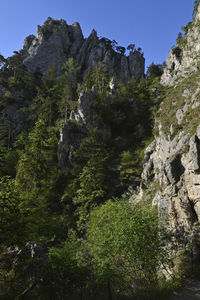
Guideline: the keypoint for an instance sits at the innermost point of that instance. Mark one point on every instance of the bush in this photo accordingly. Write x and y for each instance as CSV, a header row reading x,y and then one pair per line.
x,y
126,244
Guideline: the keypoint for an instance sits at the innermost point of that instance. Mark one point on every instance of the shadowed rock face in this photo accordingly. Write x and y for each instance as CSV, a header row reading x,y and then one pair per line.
x,y
56,41
176,166
171,168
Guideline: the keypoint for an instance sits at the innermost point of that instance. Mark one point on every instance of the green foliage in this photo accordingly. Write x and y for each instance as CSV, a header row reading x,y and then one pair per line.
x,y
114,244
13,82
11,216
154,71
68,83
8,161
130,167
175,100
70,273
177,51
50,78
8,98
21,78
125,244
93,178
179,38
98,78
5,132
41,183
38,157
195,10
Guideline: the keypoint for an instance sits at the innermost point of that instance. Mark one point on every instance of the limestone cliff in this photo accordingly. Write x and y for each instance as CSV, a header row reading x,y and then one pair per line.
x,y
183,59
172,161
56,41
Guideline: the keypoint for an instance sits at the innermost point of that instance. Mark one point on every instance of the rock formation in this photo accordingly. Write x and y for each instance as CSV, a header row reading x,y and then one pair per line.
x,y
56,41
171,169
183,59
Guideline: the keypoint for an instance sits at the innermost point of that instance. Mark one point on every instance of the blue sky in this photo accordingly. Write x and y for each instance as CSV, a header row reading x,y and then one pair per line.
x,y
152,25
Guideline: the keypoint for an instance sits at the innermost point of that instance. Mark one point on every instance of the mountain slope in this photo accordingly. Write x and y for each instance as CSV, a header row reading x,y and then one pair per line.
x,y
172,160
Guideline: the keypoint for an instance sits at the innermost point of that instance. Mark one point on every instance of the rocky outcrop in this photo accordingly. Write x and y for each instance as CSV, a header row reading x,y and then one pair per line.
x,y
76,128
176,168
56,41
171,169
71,135
184,58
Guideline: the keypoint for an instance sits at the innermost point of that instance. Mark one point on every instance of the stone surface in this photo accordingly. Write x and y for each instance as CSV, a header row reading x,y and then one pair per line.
x,y
175,165
184,58
56,41
180,113
148,161
71,135
75,129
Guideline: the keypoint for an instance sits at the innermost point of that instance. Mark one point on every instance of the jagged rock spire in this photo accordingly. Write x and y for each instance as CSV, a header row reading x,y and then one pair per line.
x,y
56,41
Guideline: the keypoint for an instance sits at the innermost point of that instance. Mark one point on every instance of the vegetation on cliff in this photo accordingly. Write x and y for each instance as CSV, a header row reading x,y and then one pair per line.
x,y
65,234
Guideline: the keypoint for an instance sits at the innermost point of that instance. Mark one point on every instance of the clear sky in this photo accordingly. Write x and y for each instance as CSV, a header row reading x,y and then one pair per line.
x,y
152,25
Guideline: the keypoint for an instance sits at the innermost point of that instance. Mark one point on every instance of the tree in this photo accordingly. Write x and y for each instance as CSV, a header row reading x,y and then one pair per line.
x,y
11,216
131,47
154,71
70,272
114,44
121,50
179,38
50,78
2,61
98,77
40,182
91,164
68,82
126,244
8,161
128,168
39,155
15,64
177,51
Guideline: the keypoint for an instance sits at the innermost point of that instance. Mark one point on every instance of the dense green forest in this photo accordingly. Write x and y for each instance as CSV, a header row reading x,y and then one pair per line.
x,y
72,233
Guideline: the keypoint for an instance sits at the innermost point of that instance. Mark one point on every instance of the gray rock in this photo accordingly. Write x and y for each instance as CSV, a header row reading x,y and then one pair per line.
x,y
86,113
194,154
148,161
176,168
173,169
181,112
56,41
185,60
71,136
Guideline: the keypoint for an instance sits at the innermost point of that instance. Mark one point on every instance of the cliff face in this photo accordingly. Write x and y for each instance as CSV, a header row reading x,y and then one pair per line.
x,y
183,59
56,41
172,162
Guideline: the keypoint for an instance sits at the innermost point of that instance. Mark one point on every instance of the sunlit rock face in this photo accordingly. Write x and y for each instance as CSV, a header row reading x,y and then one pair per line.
x,y
56,41
184,58
171,168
